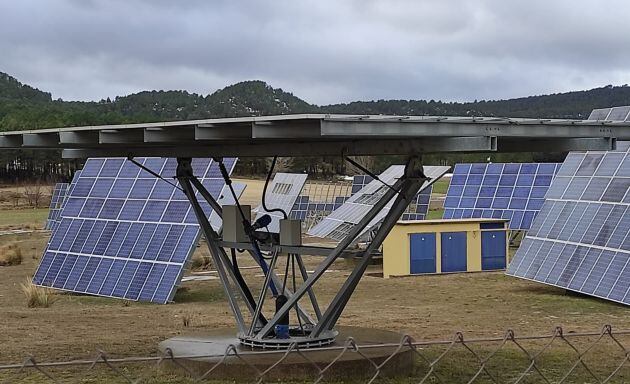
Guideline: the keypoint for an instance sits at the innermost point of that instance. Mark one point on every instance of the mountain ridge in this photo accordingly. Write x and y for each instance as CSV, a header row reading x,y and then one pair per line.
x,y
26,107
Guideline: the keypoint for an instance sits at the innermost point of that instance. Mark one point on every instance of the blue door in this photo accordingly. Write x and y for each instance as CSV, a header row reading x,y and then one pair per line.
x,y
493,245
422,252
454,252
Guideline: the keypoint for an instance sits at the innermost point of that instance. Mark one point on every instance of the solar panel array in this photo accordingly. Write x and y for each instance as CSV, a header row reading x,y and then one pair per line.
x,y
56,203
611,114
417,209
125,233
580,239
282,193
339,223
499,190
304,206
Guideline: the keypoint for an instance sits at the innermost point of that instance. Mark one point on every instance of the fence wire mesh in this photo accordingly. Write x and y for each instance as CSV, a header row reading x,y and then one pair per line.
x,y
557,357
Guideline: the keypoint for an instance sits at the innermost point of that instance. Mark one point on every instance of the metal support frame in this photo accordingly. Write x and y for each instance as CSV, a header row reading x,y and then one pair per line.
x,y
319,331
404,189
224,267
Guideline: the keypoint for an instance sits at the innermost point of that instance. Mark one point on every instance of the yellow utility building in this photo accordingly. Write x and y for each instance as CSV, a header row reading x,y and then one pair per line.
x,y
443,246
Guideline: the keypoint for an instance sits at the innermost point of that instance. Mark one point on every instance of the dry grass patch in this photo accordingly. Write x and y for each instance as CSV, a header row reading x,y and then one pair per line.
x,y
201,259
37,297
10,254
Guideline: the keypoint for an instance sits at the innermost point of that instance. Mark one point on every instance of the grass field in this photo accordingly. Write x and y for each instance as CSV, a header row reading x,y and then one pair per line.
x,y
23,218
441,186
427,307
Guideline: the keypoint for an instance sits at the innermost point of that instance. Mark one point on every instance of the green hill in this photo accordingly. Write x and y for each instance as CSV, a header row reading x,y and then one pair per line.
x,y
25,107
12,90
570,105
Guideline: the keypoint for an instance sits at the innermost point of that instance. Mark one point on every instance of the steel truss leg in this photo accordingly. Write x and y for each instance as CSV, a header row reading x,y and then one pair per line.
x,y
263,293
407,192
311,294
212,237
407,186
184,176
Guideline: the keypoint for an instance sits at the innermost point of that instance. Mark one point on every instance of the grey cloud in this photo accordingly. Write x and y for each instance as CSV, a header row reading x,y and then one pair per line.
x,y
324,51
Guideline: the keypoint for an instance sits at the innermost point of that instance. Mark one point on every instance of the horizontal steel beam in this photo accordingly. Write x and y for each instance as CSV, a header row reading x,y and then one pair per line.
x,y
164,135
78,138
411,128
11,141
298,148
223,132
557,145
47,140
281,130
300,250
121,136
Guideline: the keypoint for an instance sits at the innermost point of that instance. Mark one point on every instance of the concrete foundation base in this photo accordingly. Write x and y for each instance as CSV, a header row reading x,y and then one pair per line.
x,y
350,365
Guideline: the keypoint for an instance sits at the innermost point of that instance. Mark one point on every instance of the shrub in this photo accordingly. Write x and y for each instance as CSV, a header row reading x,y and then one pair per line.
x,y
10,254
37,297
187,319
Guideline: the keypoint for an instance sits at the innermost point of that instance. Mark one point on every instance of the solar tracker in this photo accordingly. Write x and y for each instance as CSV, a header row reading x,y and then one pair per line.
x,y
510,191
125,233
580,239
339,223
416,210
56,203
282,193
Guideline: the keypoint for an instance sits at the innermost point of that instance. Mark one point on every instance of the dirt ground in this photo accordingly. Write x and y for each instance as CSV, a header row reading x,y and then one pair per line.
x,y
427,307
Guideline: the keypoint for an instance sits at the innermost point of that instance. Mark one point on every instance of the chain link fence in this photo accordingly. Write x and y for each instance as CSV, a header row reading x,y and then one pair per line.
x,y
557,357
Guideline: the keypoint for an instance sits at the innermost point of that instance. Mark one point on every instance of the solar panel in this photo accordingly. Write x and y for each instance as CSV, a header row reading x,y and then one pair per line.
x,y
618,113
282,193
339,223
599,114
125,233
360,181
623,145
55,223
417,209
500,191
318,200
580,239
226,198
56,203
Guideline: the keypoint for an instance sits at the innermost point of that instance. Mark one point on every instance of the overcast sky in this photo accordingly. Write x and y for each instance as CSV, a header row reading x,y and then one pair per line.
x,y
323,51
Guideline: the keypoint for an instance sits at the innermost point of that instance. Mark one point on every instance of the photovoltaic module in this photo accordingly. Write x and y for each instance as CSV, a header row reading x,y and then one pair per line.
x,y
282,193
580,239
510,191
417,209
125,233
340,222
56,203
